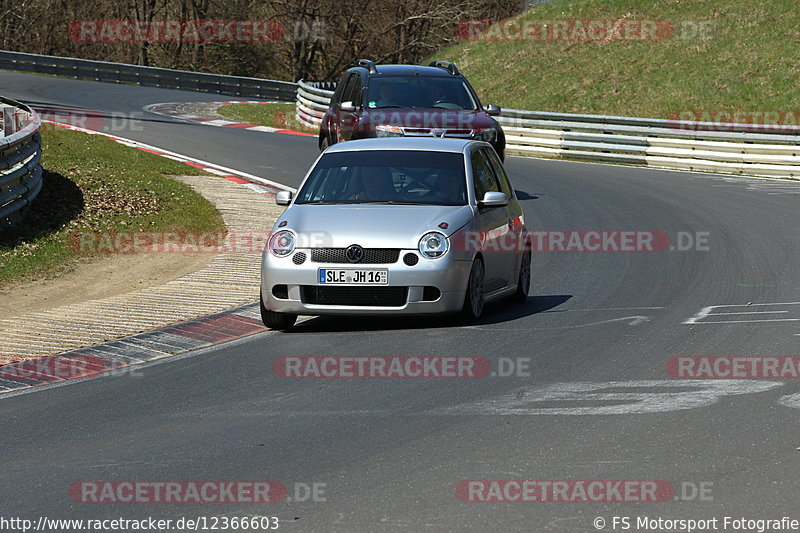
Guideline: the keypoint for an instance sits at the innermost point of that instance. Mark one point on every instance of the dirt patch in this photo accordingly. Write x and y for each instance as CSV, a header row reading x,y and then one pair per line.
x,y
109,276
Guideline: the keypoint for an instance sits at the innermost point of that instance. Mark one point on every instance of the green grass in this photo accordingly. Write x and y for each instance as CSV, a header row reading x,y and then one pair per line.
x,y
94,184
272,115
747,60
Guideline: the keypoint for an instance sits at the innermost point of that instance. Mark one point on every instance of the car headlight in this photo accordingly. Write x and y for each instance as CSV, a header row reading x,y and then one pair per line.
x,y
486,134
385,130
282,243
433,245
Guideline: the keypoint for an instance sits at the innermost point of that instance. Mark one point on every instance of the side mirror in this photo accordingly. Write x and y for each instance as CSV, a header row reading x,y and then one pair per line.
x,y
493,110
348,107
493,199
283,198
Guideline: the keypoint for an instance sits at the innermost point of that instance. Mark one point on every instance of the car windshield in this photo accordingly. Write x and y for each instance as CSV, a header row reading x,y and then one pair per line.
x,y
416,92
386,177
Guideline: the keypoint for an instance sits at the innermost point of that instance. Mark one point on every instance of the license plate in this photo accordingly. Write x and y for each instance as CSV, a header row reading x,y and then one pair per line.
x,y
353,276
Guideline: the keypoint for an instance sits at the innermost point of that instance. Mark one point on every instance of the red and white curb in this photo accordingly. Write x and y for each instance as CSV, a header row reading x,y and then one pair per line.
x,y
164,342
172,109
256,183
113,356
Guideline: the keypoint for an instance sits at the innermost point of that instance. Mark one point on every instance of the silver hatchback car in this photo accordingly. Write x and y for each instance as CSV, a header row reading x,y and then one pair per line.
x,y
396,226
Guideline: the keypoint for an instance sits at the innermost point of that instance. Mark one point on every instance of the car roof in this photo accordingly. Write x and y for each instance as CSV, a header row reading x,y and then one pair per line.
x,y
406,143
407,70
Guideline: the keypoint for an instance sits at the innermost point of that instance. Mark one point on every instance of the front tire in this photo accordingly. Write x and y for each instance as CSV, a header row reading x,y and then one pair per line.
x,y
279,321
474,298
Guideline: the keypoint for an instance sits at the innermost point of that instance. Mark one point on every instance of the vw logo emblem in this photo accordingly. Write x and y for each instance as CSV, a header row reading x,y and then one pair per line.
x,y
354,253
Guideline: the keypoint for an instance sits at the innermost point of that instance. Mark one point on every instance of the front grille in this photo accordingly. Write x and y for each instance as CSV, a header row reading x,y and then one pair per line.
x,y
299,258
372,256
428,132
358,296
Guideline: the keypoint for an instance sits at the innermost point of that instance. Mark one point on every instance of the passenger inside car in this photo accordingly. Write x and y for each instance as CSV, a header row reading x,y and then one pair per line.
x,y
446,189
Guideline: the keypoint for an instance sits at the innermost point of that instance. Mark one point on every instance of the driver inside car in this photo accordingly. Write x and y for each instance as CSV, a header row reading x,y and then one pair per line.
x,y
377,185
385,97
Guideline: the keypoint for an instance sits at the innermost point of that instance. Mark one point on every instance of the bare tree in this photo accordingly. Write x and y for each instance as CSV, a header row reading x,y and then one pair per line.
x,y
144,12
321,37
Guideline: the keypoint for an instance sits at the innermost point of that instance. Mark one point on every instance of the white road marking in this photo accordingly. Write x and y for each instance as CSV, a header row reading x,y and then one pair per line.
x,y
207,166
263,128
706,312
752,321
792,400
601,309
258,188
220,122
634,321
697,393
750,313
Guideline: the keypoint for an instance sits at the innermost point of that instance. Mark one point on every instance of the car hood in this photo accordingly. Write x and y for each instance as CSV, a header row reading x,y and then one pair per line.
x,y
371,226
430,118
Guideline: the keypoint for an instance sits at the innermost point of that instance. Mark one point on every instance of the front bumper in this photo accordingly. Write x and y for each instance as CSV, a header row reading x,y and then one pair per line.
x,y
447,274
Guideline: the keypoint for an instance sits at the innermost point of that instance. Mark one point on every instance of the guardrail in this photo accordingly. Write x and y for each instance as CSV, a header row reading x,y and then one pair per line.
x,y
20,154
686,145
660,143
283,91
313,99
639,141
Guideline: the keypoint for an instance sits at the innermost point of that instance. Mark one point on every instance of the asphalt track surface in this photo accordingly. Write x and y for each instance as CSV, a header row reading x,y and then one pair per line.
x,y
391,452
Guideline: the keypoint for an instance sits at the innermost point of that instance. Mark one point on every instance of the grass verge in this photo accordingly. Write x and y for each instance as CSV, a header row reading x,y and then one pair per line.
x,y
720,55
280,116
94,184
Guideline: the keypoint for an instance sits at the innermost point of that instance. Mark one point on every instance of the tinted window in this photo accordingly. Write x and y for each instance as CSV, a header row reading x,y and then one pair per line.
x,y
337,95
499,172
482,175
348,88
391,176
353,90
438,92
